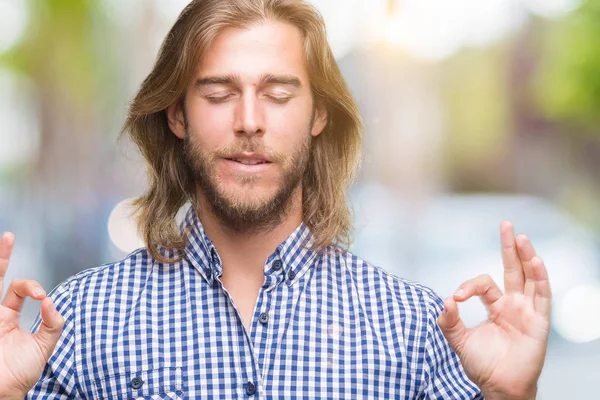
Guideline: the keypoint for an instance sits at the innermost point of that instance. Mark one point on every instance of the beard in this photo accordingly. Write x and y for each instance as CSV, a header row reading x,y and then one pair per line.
x,y
241,212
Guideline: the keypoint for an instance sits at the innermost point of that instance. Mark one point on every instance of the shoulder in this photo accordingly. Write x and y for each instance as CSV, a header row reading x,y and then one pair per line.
x,y
113,281
372,279
136,262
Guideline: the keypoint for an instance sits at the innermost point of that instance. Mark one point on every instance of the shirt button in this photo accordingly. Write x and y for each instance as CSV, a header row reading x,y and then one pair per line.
x,y
250,389
277,264
136,383
263,318
291,275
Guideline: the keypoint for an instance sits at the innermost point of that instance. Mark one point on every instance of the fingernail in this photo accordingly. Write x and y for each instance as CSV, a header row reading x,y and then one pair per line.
x,y
459,293
39,291
6,238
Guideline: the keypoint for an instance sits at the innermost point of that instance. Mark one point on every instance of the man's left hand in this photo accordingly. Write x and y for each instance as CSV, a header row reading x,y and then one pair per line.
x,y
504,355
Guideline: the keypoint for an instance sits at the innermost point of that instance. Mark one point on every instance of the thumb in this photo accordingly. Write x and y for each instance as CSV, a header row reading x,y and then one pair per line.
x,y
452,326
50,329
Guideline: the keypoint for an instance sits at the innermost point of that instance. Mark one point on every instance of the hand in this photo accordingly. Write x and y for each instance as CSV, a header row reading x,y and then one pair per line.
x,y
504,355
23,355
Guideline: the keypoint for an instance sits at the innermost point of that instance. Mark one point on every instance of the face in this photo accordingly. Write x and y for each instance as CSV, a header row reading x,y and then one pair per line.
x,y
247,123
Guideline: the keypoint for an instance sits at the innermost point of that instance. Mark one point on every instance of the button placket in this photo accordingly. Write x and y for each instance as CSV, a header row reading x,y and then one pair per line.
x,y
261,333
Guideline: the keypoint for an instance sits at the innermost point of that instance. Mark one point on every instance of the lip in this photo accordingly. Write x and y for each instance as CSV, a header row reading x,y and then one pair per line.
x,y
244,168
249,156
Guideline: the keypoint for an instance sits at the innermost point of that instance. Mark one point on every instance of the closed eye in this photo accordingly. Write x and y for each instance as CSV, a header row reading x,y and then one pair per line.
x,y
218,99
279,99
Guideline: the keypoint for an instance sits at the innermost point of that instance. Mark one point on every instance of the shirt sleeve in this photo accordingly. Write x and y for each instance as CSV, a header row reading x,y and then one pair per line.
x,y
58,380
444,374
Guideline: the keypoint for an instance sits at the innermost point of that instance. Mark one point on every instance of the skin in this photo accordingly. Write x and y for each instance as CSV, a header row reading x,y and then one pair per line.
x,y
23,355
250,108
503,355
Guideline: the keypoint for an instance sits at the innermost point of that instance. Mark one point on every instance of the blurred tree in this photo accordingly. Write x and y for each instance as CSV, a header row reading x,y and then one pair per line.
x,y
475,87
567,91
66,53
568,82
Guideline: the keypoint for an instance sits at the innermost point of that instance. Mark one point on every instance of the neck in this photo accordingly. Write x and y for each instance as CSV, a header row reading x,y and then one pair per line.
x,y
244,254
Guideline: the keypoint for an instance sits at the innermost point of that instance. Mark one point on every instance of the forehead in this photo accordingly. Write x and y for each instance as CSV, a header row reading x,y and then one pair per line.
x,y
270,47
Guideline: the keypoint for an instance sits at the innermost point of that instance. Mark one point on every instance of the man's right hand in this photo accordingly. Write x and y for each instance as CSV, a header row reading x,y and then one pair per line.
x,y
23,355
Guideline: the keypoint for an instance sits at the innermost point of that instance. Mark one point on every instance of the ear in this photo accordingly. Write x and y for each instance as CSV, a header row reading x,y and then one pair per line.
x,y
320,119
176,120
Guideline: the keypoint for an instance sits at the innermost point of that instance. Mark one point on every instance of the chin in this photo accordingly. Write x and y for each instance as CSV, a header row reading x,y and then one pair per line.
x,y
254,186
248,195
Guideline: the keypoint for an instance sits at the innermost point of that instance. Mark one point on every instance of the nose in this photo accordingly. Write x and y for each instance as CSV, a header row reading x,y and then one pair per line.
x,y
249,116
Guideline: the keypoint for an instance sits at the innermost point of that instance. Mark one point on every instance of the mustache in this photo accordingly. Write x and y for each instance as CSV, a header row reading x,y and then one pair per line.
x,y
249,146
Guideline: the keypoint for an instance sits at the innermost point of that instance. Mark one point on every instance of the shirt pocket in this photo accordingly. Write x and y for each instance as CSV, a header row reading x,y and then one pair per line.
x,y
163,383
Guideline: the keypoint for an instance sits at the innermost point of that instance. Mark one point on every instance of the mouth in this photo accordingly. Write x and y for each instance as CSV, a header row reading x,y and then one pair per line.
x,y
249,158
249,161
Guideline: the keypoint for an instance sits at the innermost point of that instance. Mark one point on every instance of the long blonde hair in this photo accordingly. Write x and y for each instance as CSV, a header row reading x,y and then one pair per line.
x,y
335,153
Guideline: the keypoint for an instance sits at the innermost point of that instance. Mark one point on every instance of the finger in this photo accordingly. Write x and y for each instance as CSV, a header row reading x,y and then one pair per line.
x,y
543,294
6,245
19,290
50,329
526,253
482,286
514,279
452,326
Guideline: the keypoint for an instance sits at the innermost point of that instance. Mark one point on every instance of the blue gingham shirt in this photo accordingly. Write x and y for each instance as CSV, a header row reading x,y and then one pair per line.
x,y
326,325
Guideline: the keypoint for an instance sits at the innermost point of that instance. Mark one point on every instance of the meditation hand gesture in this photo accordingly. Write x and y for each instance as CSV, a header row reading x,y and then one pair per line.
x,y
505,354
23,355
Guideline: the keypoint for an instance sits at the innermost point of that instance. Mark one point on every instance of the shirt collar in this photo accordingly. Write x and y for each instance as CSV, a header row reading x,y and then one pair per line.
x,y
199,250
290,260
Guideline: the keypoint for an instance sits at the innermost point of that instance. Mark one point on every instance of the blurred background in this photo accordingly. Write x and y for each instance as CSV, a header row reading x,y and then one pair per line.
x,y
474,112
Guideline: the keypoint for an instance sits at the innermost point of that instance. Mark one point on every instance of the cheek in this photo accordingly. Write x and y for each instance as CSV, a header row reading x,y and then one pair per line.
x,y
212,129
293,122
297,113
288,135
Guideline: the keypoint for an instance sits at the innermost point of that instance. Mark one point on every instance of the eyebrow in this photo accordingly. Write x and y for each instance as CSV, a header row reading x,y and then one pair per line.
x,y
281,79
235,79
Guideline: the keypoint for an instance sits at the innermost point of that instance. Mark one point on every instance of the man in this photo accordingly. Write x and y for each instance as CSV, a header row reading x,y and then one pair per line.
x,y
246,117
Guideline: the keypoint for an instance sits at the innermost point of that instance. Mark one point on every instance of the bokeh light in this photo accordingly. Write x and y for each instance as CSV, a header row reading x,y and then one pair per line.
x,y
13,22
576,316
552,8
122,228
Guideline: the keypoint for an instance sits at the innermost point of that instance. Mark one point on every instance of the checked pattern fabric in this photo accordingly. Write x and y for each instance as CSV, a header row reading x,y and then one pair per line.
x,y
326,325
